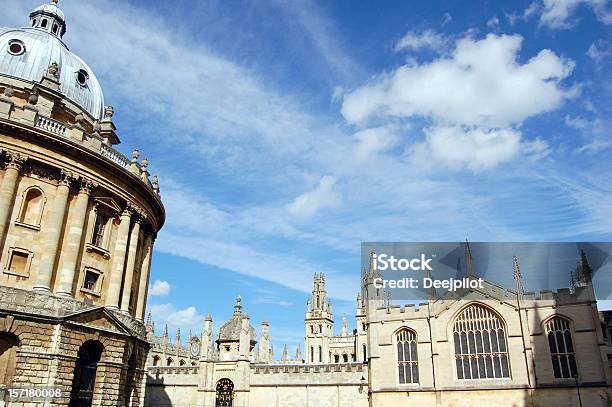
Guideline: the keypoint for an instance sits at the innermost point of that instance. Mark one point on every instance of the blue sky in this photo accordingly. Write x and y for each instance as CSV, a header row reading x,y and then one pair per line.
x,y
285,133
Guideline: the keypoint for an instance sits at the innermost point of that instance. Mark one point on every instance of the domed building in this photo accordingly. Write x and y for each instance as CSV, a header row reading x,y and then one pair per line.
x,y
78,221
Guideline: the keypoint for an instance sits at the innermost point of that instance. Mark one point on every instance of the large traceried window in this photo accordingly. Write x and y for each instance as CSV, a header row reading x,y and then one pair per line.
x,y
407,360
561,348
480,345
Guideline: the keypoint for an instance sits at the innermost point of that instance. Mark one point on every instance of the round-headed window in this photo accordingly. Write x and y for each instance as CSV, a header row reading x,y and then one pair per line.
x,y
16,47
82,77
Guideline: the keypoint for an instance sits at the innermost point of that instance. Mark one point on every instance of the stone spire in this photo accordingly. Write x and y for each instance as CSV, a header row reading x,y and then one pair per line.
x,y
344,326
285,354
518,278
149,324
263,354
178,336
207,339
298,353
245,337
469,260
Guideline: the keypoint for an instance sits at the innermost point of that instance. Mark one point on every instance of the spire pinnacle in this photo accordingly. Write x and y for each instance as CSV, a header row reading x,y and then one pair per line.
x,y
238,306
54,2
518,277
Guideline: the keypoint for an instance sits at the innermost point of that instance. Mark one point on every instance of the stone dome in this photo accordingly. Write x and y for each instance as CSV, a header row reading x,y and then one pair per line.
x,y
26,53
230,331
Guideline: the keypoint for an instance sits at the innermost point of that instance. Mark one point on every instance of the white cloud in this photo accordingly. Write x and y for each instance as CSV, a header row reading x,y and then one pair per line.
x,y
415,41
599,50
459,148
481,83
475,99
160,289
374,140
556,13
186,318
322,196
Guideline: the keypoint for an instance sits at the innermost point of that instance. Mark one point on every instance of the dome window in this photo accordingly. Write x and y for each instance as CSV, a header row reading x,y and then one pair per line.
x,y
44,23
34,23
82,77
55,28
16,47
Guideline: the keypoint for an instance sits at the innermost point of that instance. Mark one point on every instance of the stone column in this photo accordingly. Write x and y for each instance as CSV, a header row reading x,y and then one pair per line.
x,y
7,191
145,271
131,262
75,235
116,273
53,232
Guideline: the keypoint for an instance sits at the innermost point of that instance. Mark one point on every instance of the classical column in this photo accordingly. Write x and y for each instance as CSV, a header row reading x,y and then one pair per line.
x,y
116,273
145,271
8,189
131,262
53,232
75,235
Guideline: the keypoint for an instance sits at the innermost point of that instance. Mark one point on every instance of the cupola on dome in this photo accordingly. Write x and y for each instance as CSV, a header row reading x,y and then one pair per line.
x,y
26,53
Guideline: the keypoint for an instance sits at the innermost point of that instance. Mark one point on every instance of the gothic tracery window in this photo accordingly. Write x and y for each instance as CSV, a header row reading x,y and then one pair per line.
x,y
561,348
407,357
480,345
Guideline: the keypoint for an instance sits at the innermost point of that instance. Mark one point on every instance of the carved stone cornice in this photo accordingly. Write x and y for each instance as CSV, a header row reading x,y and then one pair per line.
x,y
32,168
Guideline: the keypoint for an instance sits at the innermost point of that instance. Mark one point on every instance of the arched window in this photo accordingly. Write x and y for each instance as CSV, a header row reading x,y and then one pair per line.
x,y
336,358
169,362
561,348
193,364
32,207
480,344
225,393
181,362
44,23
8,357
156,360
320,355
365,353
345,358
84,378
311,354
407,359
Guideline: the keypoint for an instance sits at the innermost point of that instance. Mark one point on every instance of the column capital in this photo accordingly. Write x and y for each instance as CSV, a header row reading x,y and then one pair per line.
x,y
66,178
136,212
15,161
86,186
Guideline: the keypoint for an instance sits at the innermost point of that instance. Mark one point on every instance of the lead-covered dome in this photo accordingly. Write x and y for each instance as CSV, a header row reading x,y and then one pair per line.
x,y
230,331
26,53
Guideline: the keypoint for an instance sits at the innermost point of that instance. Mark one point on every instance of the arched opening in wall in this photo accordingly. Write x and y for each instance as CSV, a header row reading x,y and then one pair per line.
x,y
407,359
193,364
130,380
156,360
225,393
181,362
320,355
55,28
169,362
479,337
311,354
336,358
8,358
561,347
365,353
32,207
84,378
34,23
44,23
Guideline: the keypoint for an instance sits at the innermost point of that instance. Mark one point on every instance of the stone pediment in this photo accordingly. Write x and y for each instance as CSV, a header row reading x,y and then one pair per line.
x,y
100,318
